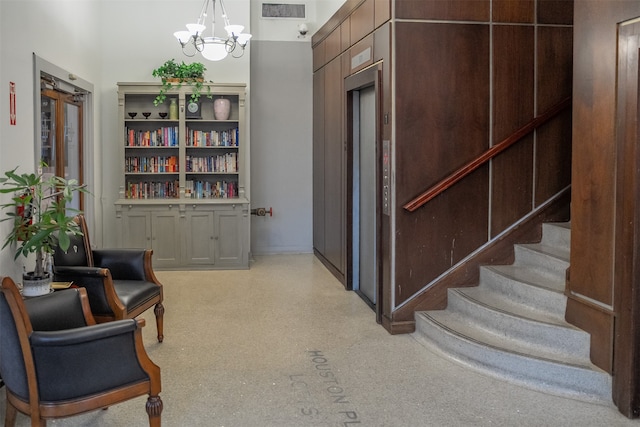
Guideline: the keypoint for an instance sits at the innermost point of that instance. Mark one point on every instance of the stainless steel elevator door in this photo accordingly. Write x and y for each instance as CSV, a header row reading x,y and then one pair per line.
x,y
367,195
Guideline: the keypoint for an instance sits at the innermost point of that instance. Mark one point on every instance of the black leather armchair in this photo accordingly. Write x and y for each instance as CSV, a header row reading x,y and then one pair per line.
x,y
120,283
56,362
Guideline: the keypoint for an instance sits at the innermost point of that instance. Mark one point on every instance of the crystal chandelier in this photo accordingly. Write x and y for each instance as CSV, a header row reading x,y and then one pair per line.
x,y
213,48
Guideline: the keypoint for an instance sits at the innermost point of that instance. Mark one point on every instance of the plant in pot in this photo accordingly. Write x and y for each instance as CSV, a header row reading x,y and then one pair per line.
x,y
40,221
173,75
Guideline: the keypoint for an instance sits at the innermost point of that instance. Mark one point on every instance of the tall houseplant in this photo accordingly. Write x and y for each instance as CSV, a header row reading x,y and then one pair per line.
x,y
173,75
39,215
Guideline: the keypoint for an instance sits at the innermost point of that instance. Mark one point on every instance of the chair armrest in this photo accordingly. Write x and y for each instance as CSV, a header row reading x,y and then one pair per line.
x,y
123,264
98,283
88,360
82,335
44,312
62,273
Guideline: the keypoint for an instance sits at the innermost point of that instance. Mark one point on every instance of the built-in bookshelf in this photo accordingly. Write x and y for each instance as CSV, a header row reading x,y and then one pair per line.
x,y
184,178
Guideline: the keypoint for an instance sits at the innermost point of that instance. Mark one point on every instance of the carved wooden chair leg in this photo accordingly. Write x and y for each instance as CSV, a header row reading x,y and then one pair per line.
x,y
159,312
154,410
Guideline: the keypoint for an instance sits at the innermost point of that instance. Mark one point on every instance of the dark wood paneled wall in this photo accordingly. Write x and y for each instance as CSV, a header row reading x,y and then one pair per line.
x,y
442,122
603,285
460,88
591,288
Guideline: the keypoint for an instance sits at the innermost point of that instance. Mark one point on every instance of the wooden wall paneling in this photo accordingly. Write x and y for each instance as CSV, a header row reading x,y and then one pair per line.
x,y
345,34
626,375
436,133
319,58
382,55
336,19
554,76
318,161
333,45
434,238
382,52
362,21
554,81
456,10
519,11
553,157
439,131
334,168
382,12
599,324
511,185
512,171
593,159
555,12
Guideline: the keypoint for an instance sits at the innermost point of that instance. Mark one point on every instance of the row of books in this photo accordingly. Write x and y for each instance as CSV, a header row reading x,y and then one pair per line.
x,y
151,164
211,190
153,190
163,137
214,138
225,163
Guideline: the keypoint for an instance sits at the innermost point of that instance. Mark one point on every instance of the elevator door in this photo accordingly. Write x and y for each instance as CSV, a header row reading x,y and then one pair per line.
x,y
365,190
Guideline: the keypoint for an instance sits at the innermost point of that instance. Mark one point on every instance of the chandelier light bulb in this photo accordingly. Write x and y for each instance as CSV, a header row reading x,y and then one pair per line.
x,y
214,51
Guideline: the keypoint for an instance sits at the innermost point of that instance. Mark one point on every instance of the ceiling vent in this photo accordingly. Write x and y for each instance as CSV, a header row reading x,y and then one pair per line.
x,y
283,10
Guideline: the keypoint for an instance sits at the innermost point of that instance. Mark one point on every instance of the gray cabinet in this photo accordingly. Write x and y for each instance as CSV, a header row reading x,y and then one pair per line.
x,y
156,227
216,237
184,182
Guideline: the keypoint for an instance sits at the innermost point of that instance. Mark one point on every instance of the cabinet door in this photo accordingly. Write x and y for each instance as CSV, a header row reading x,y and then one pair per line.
x,y
199,238
136,229
165,238
228,238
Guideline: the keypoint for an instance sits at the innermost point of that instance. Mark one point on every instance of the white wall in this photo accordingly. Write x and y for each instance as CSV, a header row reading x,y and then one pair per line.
x,y
107,41
52,31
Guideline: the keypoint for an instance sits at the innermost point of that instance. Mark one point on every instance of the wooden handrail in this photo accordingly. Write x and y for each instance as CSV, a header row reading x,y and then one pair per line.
x,y
465,170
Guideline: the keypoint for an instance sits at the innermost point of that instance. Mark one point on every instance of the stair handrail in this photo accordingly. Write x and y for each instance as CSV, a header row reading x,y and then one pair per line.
x,y
492,152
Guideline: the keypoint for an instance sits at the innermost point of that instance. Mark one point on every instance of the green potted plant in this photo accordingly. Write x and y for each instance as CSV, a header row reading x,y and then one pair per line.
x,y
40,220
173,75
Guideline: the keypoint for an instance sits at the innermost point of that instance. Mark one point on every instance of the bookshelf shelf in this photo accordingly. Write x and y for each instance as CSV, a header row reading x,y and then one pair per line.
x,y
184,184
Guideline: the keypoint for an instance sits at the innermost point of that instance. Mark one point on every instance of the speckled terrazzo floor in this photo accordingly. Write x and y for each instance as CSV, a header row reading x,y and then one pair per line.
x,y
283,344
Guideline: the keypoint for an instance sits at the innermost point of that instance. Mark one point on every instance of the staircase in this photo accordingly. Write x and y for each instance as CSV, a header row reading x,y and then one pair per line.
x,y
512,326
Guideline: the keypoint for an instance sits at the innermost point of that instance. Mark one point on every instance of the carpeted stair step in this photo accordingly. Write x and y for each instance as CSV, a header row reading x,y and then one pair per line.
x,y
512,324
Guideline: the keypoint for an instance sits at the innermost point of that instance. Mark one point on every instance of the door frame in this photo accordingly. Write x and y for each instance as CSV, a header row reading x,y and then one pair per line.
x,y
626,286
368,77
71,83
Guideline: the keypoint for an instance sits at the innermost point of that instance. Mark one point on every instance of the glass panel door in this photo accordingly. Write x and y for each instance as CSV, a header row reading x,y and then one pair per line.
x,y
72,152
48,138
61,122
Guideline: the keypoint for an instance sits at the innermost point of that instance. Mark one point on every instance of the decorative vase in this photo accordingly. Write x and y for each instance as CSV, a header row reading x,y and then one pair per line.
x,y
221,108
173,110
35,286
